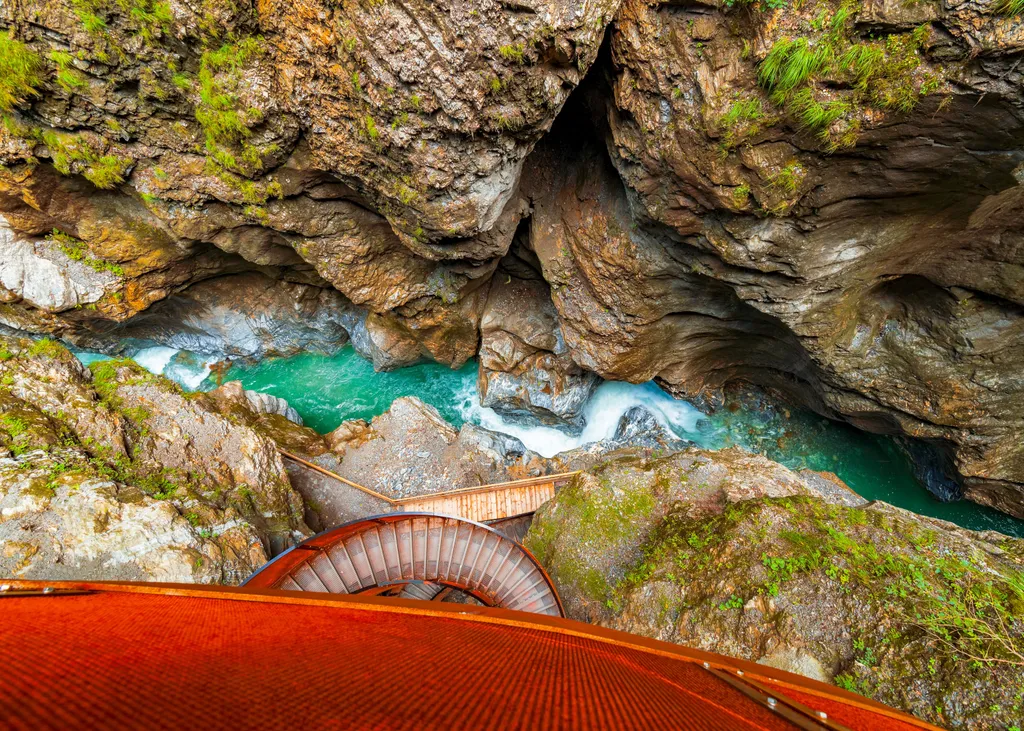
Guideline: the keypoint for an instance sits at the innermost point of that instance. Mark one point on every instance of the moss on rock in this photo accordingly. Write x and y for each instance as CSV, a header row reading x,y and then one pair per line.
x,y
911,611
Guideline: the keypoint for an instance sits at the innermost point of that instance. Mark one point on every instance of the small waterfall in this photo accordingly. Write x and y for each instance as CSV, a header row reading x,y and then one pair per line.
x,y
609,403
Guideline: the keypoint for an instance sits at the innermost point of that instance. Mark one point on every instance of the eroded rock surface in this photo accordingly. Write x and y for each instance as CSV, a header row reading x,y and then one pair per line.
x,y
871,231
115,474
247,317
525,365
823,199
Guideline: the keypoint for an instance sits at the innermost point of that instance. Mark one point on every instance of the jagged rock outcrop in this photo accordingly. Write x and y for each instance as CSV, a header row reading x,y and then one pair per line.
x,y
61,519
869,202
524,363
115,474
735,554
633,304
276,147
74,255
429,108
247,317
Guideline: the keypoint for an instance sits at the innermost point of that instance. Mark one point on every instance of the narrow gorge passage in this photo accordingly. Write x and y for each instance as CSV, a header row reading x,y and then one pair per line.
x,y
327,390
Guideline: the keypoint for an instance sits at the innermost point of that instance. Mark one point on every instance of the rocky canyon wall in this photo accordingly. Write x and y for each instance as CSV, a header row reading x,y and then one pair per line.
x,y
823,199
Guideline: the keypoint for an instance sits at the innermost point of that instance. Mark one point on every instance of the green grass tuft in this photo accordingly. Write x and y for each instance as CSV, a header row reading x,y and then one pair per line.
x,y
226,125
76,250
20,72
47,348
72,153
513,52
828,79
145,17
789,64
814,114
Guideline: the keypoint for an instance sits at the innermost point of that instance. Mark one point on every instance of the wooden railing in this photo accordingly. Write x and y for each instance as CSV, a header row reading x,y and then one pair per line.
x,y
481,503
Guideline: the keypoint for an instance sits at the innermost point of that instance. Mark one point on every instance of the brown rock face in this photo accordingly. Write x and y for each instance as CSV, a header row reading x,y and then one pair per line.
x,y
633,302
853,264
429,108
820,199
107,248
425,111
524,362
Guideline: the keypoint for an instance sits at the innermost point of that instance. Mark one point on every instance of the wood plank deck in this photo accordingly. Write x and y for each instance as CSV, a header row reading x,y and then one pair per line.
x,y
482,503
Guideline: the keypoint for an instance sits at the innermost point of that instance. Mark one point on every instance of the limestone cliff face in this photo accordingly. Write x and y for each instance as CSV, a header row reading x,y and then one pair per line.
x,y
823,200
357,147
872,206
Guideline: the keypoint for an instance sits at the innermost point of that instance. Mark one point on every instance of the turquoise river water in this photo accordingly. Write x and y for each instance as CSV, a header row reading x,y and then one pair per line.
x,y
327,390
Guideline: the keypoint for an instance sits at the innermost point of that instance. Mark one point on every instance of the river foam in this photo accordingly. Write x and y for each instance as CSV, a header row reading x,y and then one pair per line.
x,y
606,407
186,369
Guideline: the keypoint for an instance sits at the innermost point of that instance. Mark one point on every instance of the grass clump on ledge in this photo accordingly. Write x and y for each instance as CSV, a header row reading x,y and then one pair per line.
x,y
226,126
20,72
513,52
47,348
790,63
72,153
744,119
143,16
76,250
69,79
827,79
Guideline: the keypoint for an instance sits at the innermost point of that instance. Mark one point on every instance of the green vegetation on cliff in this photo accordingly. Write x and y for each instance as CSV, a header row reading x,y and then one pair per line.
x,y
76,250
20,72
826,77
226,125
143,17
957,601
75,153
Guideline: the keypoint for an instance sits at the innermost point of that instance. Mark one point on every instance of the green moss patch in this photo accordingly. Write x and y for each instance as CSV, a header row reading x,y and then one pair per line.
x,y
76,250
72,153
915,605
227,126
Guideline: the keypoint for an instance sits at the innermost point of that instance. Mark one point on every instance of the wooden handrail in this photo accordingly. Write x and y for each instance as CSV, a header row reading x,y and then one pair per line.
x,y
336,476
543,479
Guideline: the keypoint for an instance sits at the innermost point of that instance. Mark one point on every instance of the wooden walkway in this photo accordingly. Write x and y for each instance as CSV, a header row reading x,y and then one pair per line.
x,y
480,504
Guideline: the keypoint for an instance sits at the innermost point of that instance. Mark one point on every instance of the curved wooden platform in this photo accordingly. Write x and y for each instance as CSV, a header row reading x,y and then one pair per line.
x,y
175,656
415,555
